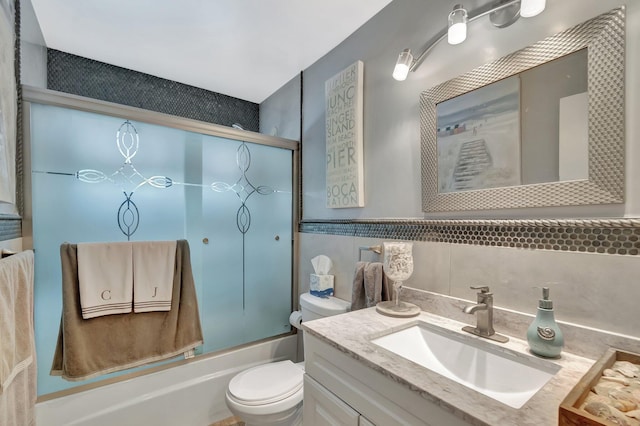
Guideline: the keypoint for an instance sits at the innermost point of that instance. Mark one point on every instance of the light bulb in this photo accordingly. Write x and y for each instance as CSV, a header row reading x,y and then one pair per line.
x,y
457,31
529,8
403,64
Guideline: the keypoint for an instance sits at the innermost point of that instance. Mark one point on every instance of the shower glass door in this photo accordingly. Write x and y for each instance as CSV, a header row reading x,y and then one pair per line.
x,y
232,200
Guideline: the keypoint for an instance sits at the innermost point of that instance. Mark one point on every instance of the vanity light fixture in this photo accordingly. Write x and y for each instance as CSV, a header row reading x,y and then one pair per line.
x,y
501,14
402,65
457,28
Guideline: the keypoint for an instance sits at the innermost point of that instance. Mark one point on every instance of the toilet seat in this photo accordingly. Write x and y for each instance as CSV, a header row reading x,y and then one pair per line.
x,y
266,384
271,394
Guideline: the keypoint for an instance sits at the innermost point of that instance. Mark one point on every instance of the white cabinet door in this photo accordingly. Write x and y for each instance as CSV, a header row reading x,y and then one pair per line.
x,y
381,400
322,408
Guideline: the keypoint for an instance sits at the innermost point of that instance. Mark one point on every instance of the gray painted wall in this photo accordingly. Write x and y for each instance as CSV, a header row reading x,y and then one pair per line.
x,y
33,71
33,51
391,111
588,289
541,90
280,113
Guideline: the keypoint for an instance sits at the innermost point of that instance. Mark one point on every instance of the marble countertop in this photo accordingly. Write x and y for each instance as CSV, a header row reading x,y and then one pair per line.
x,y
351,334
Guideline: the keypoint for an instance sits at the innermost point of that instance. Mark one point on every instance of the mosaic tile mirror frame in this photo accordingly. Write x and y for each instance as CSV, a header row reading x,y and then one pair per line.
x,y
604,39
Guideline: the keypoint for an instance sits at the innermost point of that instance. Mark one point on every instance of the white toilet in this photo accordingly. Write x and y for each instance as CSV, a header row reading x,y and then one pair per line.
x,y
271,394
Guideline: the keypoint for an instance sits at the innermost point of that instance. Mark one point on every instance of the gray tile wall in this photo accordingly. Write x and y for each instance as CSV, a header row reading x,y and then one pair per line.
x,y
10,228
593,290
85,77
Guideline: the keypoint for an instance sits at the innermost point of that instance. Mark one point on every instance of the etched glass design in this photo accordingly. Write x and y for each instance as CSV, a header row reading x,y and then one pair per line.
x,y
231,199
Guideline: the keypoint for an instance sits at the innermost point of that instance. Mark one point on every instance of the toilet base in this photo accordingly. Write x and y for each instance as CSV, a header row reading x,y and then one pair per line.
x,y
289,418
284,408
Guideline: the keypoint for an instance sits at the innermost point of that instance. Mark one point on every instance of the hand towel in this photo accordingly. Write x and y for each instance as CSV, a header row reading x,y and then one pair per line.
x,y
373,277
16,316
17,346
17,403
111,343
105,275
358,297
153,270
370,285
387,287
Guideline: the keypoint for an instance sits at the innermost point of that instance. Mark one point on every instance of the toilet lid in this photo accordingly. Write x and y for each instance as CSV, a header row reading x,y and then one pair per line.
x,y
266,383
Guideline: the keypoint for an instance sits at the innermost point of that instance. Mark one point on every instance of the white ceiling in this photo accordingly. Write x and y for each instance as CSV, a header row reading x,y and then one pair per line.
x,y
243,48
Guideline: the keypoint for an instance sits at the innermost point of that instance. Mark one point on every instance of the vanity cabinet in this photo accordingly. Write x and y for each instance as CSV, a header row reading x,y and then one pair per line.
x,y
365,422
321,407
338,389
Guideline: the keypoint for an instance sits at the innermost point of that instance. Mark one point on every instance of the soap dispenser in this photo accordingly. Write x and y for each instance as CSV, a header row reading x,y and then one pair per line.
x,y
544,336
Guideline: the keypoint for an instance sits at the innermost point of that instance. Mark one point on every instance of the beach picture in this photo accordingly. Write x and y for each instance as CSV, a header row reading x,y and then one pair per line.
x,y
478,139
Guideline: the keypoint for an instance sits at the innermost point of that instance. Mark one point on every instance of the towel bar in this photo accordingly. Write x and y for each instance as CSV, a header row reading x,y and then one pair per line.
x,y
376,249
6,253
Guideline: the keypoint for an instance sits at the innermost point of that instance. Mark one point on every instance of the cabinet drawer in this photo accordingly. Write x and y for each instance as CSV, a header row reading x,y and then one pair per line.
x,y
321,407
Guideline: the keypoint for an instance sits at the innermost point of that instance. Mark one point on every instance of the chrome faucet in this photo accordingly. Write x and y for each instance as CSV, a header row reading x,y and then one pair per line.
x,y
484,314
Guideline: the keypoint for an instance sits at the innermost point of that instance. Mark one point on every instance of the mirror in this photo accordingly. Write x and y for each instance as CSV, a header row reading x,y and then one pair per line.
x,y
529,128
543,126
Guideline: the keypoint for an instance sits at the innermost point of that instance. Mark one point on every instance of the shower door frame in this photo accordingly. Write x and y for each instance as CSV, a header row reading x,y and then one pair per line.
x,y
40,96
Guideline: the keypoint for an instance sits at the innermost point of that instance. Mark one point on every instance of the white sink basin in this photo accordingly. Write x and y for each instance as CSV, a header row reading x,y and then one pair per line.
x,y
498,373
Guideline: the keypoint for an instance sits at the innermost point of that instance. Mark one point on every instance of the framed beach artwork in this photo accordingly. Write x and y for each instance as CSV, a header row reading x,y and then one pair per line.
x,y
8,109
478,138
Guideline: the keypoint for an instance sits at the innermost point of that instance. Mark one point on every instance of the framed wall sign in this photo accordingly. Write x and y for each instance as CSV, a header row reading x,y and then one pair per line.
x,y
345,168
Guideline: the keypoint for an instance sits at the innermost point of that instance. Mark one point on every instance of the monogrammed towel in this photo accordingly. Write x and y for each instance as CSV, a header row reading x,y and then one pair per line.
x,y
153,268
111,343
105,276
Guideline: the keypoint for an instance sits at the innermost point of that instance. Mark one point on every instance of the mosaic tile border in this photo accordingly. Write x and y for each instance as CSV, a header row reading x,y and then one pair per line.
x,y
604,236
10,228
98,80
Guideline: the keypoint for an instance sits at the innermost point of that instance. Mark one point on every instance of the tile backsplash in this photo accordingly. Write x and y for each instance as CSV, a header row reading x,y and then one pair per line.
x,y
592,290
603,236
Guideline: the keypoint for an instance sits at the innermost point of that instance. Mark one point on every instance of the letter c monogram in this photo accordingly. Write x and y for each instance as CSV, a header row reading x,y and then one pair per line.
x,y
106,295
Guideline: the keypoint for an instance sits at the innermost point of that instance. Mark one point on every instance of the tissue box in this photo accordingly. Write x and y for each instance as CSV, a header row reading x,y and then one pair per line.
x,y
321,285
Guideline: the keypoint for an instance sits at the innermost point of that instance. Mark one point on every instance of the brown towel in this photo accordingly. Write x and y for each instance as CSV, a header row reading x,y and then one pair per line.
x,y
89,348
369,285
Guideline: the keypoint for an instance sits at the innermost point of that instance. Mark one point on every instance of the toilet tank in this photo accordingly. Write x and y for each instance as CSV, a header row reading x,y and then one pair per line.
x,y
314,307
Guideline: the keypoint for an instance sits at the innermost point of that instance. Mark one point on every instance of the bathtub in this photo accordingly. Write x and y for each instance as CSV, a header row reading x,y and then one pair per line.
x,y
191,394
